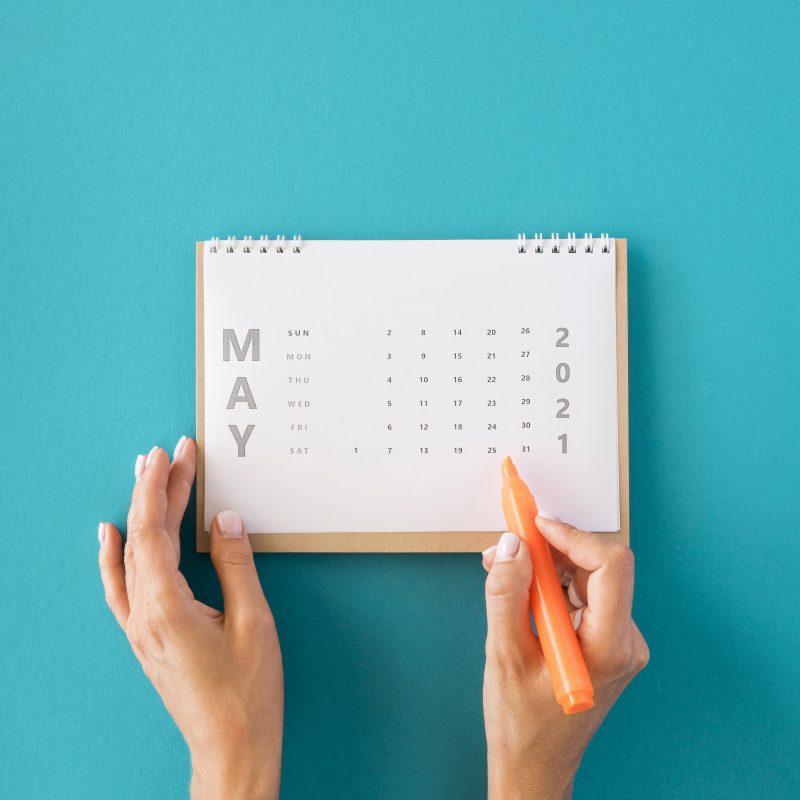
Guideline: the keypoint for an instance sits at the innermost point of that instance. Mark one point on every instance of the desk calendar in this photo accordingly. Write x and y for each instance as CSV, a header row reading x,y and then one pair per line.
x,y
361,395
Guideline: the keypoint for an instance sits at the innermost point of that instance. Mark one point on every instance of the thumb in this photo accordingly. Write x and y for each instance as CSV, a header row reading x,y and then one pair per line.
x,y
508,588
232,557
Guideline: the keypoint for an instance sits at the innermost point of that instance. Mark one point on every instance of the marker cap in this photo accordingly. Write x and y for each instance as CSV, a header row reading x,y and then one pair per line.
x,y
576,701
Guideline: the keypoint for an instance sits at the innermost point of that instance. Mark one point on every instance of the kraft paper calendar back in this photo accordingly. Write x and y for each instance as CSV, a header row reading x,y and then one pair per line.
x,y
280,459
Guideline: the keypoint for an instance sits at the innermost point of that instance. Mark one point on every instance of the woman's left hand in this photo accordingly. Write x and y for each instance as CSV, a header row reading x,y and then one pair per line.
x,y
219,675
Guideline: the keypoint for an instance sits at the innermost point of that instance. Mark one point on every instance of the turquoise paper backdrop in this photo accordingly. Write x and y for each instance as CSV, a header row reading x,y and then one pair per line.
x,y
128,131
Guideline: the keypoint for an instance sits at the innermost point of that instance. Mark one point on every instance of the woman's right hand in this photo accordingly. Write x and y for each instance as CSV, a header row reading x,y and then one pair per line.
x,y
534,749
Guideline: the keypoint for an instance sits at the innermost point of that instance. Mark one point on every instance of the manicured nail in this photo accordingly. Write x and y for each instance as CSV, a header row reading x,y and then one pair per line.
x,y
150,456
101,533
572,594
489,551
139,468
551,517
230,524
179,447
507,547
577,616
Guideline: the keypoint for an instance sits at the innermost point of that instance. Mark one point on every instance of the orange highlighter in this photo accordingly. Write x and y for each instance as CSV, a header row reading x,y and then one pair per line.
x,y
562,653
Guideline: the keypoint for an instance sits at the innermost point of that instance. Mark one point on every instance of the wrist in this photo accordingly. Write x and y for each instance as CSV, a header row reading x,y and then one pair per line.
x,y
239,778
524,779
529,787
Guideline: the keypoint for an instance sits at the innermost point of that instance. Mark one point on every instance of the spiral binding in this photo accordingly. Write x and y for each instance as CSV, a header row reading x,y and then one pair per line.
x,y
556,244
249,246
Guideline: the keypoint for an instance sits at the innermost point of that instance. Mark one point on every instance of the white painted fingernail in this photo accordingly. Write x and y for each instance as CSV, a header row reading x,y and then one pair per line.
x,y
150,456
572,594
179,447
507,547
101,533
489,551
230,524
551,517
577,616
139,468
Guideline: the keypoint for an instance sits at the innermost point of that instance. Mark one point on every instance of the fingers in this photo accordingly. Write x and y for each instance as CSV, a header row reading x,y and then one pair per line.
x,y
112,572
572,579
130,571
179,487
508,598
232,557
608,568
147,534
584,549
570,575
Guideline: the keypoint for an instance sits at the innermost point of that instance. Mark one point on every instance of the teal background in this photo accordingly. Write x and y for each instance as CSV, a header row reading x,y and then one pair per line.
x,y
127,132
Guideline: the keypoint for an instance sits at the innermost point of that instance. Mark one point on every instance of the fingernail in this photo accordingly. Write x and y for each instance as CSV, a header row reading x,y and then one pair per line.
x,y
551,517
179,447
150,456
489,551
139,468
577,616
507,547
230,524
101,533
572,594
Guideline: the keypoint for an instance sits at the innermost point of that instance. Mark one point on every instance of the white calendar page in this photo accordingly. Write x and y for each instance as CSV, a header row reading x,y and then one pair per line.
x,y
377,385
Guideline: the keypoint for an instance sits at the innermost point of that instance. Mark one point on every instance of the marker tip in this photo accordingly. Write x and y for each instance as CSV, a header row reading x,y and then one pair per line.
x,y
508,468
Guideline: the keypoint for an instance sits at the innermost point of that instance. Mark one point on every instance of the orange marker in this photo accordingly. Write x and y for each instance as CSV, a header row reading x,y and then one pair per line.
x,y
562,653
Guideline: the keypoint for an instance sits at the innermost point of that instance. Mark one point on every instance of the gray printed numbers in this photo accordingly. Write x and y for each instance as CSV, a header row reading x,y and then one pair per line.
x,y
481,391
562,376
405,391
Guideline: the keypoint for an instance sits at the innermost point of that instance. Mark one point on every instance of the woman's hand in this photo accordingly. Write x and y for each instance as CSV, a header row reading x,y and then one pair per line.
x,y
534,749
220,675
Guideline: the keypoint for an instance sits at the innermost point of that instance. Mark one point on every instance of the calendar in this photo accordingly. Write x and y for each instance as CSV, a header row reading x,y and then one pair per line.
x,y
361,395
